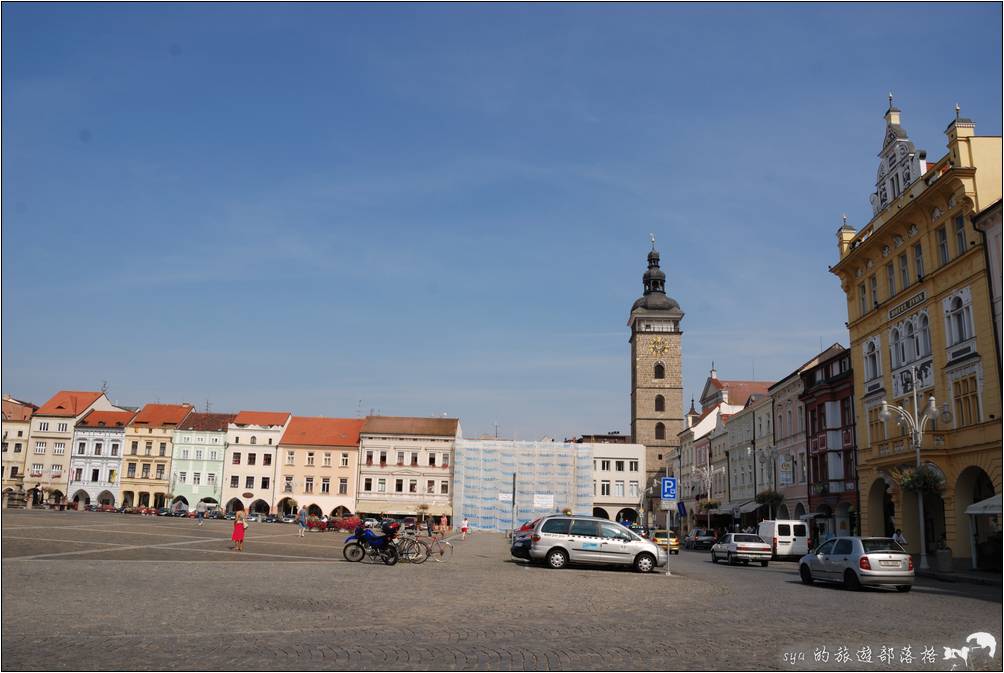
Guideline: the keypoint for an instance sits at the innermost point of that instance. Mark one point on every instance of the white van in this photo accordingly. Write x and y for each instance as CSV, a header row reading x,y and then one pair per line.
x,y
786,538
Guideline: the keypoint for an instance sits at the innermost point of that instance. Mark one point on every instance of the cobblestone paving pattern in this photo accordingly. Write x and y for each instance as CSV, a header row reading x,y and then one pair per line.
x,y
109,591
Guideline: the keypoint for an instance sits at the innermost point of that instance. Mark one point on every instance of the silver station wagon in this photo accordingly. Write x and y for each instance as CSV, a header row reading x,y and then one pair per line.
x,y
857,561
559,540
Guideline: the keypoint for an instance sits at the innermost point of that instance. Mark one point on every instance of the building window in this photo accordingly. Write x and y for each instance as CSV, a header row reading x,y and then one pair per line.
x,y
896,348
290,458
249,482
43,427
182,477
266,459
325,485
430,487
873,290
59,448
148,448
368,484
62,427
145,471
211,478
80,448
345,460
942,246
904,271
134,449
619,489
131,470
212,455
78,474
890,277
633,466
235,481
399,485
236,460
619,465
660,371
446,460
400,457
967,404
871,362
923,336
960,234
369,457
343,486
918,260
660,431
39,447
660,403
414,459
254,440
444,487
196,478
252,458
605,465
163,448
862,300
604,487
310,458
184,454
959,322
265,482
633,489
382,485
308,485
327,460
412,486
115,448
383,458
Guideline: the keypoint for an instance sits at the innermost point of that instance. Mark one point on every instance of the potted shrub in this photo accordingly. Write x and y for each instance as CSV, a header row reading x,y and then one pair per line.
x,y
921,479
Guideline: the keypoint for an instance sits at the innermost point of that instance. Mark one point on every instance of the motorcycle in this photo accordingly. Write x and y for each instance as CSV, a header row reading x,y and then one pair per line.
x,y
364,542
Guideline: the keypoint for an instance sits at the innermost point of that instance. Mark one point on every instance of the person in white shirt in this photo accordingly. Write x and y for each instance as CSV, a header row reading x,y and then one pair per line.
x,y
898,537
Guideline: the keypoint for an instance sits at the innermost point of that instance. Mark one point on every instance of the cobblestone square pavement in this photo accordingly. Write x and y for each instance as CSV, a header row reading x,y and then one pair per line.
x,y
110,591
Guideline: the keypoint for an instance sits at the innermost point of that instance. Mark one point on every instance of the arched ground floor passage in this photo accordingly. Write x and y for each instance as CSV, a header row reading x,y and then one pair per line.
x,y
81,499
179,504
234,505
287,507
948,532
106,497
627,515
314,510
600,512
341,511
260,507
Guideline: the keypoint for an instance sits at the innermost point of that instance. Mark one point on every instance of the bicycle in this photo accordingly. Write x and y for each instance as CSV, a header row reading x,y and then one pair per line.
x,y
411,549
440,550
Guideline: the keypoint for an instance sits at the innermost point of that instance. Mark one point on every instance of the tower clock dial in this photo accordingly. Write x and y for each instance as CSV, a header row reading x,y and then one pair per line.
x,y
658,346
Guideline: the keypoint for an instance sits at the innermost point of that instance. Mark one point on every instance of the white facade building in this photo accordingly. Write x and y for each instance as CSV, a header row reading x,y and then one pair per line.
x,y
618,481
251,469
96,458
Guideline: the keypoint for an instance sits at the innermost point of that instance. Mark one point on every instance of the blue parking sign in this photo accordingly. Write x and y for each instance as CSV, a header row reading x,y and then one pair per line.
x,y
669,488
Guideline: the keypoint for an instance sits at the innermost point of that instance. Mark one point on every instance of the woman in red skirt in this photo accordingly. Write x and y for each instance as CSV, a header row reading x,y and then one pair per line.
x,y
240,525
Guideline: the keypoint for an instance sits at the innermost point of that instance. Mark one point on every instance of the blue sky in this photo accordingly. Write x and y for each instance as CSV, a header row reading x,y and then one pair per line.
x,y
421,209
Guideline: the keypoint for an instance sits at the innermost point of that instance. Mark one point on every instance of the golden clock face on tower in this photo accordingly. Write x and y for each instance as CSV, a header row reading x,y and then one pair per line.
x,y
658,346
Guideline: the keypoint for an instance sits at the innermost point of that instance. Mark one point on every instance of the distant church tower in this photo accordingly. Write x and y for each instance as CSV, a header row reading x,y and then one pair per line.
x,y
656,377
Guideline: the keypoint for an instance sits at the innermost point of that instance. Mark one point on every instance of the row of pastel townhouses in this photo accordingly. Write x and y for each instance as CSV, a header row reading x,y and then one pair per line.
x,y
79,449
902,430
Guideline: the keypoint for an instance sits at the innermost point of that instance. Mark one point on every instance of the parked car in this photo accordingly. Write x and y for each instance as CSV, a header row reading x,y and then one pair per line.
x,y
857,561
786,537
230,515
288,518
659,537
410,523
745,547
107,508
699,538
559,540
270,518
370,522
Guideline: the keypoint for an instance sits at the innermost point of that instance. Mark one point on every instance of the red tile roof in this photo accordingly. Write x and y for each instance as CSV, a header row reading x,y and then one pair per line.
x,y
262,418
740,391
207,422
106,419
68,403
161,415
319,431
16,410
409,425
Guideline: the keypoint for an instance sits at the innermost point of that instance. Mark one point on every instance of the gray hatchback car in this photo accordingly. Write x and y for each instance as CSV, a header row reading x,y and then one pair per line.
x,y
559,540
857,561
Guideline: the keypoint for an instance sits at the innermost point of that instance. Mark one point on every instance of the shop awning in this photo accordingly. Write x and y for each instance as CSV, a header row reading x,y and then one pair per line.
x,y
401,508
748,507
991,505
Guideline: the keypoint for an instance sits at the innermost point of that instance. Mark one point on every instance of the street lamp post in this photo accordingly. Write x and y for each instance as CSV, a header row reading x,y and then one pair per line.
x,y
917,424
763,454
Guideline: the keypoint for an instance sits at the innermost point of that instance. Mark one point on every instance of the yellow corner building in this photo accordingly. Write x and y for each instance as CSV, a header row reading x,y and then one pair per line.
x,y
919,309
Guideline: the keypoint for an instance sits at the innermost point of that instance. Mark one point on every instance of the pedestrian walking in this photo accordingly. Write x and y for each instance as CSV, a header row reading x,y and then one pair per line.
x,y
429,526
240,528
443,525
301,522
463,529
898,537
200,511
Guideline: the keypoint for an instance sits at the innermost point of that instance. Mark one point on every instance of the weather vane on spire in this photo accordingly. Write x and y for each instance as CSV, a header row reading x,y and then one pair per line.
x,y
890,100
652,238
957,110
